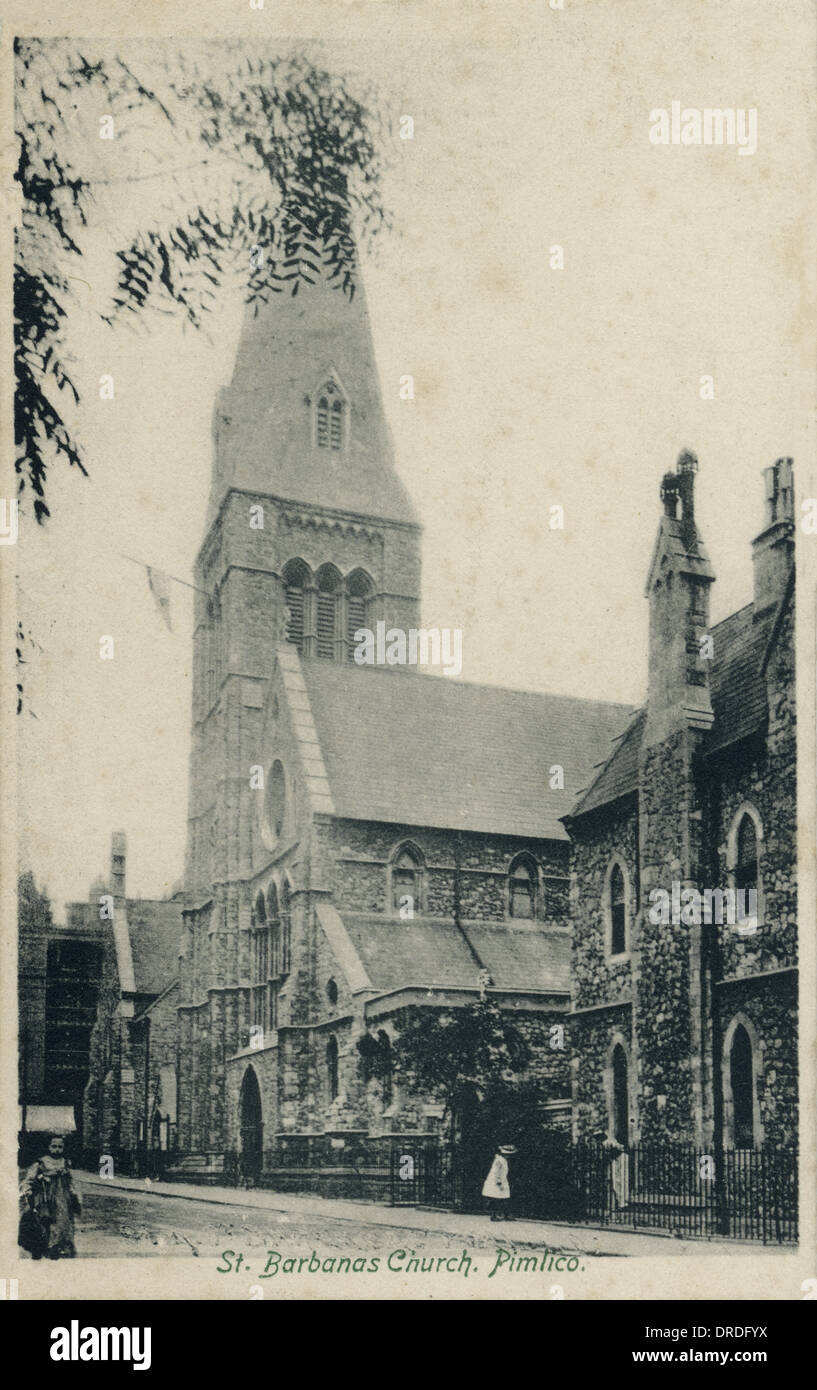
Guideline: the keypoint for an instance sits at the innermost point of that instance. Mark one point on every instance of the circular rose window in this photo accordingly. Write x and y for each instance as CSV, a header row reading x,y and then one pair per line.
x,y
276,798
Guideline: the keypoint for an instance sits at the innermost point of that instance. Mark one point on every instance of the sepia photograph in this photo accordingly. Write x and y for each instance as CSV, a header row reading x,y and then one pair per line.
x,y
409,858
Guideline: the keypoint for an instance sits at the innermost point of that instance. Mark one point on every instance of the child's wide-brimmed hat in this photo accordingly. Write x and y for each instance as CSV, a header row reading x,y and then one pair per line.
x,y
507,1149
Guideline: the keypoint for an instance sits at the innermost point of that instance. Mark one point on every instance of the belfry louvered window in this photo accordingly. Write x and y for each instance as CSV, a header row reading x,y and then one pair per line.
x,y
330,410
358,593
326,625
322,423
327,608
296,578
294,599
336,425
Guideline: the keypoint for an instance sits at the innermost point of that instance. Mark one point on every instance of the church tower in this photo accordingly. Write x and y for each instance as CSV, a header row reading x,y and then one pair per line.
x,y
310,535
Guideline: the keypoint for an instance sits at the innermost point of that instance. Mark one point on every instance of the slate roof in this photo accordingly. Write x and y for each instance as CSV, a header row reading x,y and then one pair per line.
x,y
619,774
399,954
416,749
737,685
738,692
154,927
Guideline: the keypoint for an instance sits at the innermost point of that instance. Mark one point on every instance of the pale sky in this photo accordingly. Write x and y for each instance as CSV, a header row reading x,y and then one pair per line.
x,y
533,387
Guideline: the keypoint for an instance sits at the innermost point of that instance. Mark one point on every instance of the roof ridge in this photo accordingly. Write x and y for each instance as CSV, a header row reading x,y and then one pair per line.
x,y
311,663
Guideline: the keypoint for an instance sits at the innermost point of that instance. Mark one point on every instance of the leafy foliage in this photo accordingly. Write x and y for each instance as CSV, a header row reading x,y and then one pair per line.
x,y
447,1054
283,156
33,904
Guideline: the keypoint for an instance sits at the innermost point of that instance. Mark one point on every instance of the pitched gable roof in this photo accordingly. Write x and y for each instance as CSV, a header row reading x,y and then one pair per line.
x,y
739,702
154,930
415,749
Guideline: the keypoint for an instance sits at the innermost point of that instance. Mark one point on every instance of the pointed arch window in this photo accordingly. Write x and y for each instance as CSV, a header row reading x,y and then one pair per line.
x,y
260,964
285,913
406,881
745,868
297,578
273,956
359,590
522,883
618,911
327,611
746,863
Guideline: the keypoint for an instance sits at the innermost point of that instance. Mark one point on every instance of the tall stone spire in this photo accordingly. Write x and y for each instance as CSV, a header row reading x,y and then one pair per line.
x,y
268,437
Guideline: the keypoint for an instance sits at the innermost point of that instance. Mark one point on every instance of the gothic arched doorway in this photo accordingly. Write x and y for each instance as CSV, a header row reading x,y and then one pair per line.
x,y
742,1083
251,1127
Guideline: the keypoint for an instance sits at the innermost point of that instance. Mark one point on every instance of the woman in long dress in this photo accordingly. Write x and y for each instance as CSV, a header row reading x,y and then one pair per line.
x,y
48,1191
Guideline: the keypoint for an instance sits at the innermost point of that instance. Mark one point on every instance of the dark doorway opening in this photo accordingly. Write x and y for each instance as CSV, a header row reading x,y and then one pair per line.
x,y
740,1067
252,1129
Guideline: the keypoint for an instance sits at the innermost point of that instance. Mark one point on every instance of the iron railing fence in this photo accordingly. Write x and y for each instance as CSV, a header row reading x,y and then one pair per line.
x,y
745,1194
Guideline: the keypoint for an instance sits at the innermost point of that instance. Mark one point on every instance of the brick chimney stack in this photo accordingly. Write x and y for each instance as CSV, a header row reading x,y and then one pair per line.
x,y
773,549
118,856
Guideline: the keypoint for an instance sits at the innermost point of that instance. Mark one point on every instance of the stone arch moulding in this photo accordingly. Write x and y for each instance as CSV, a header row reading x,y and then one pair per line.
x,y
746,808
616,861
740,1020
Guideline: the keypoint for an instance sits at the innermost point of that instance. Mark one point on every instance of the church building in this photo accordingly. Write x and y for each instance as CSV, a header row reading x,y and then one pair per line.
x,y
366,842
